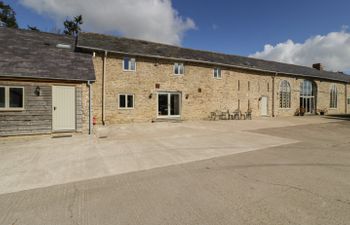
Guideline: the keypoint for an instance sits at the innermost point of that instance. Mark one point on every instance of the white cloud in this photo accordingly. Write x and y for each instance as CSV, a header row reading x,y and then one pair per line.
x,y
332,50
154,20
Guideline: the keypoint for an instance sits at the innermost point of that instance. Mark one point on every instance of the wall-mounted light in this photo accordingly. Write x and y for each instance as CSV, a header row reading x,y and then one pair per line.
x,y
150,96
187,95
37,91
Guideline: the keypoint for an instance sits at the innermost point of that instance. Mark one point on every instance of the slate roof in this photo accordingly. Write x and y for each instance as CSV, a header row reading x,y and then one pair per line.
x,y
120,45
31,54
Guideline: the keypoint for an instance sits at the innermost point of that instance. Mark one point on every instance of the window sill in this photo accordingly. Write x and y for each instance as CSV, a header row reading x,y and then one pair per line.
x,y
12,110
129,70
126,108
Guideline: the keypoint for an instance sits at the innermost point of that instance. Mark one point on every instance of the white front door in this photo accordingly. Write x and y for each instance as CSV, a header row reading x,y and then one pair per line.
x,y
263,106
169,104
63,108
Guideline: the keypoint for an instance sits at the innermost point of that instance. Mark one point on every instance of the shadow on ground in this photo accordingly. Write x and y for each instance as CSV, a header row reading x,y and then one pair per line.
x,y
338,116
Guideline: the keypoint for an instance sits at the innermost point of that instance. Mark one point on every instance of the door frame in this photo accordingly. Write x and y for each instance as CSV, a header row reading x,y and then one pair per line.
x,y
75,110
169,94
308,97
267,105
309,104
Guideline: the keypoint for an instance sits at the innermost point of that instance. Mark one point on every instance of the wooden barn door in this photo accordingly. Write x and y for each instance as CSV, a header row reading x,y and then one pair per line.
x,y
63,108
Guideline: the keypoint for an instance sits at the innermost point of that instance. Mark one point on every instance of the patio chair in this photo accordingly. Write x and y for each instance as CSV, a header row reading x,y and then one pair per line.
x,y
224,115
212,116
216,115
235,115
248,114
242,116
219,115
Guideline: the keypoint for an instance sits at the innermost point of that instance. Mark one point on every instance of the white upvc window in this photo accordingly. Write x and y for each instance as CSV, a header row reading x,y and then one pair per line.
x,y
179,69
217,73
129,64
126,101
11,98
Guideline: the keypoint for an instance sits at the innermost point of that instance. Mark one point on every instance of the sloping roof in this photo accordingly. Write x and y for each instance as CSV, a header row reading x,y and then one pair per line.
x,y
32,54
114,44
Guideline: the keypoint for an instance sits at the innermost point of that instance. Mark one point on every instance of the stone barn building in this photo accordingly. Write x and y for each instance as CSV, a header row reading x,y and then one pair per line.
x,y
55,83
140,81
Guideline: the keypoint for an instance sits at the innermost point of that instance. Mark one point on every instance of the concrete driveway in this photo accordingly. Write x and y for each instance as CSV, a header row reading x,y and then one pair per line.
x,y
41,161
306,182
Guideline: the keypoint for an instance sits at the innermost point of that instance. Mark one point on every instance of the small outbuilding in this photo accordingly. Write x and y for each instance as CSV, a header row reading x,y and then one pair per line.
x,y
44,84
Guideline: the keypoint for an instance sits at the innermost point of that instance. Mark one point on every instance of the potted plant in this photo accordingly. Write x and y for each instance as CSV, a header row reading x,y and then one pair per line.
x,y
322,111
300,111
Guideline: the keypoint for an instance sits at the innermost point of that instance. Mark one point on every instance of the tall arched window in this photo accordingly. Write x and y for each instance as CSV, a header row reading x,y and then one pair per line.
x,y
285,96
333,94
308,96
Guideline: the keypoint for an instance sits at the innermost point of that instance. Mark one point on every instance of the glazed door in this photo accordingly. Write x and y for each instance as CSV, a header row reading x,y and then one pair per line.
x,y
169,104
308,104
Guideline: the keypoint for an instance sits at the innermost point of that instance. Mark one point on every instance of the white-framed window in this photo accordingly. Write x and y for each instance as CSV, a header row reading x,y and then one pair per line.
x,y
129,64
126,101
217,73
333,97
348,101
179,69
11,98
285,94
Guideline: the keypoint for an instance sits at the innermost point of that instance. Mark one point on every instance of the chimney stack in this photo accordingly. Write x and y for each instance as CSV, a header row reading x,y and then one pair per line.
x,y
317,66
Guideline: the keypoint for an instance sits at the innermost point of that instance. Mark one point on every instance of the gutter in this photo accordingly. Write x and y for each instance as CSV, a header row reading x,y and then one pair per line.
x,y
104,74
273,94
90,106
346,99
21,77
208,63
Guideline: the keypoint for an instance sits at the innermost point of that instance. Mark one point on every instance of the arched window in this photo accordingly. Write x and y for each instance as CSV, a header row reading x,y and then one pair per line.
x,y
308,96
285,96
333,94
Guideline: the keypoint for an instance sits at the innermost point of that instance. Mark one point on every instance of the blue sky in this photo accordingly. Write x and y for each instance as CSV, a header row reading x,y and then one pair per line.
x,y
235,27
244,27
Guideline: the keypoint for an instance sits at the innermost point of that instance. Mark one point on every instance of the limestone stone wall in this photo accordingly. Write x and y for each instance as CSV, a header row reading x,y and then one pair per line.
x,y
84,89
348,98
322,98
200,92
